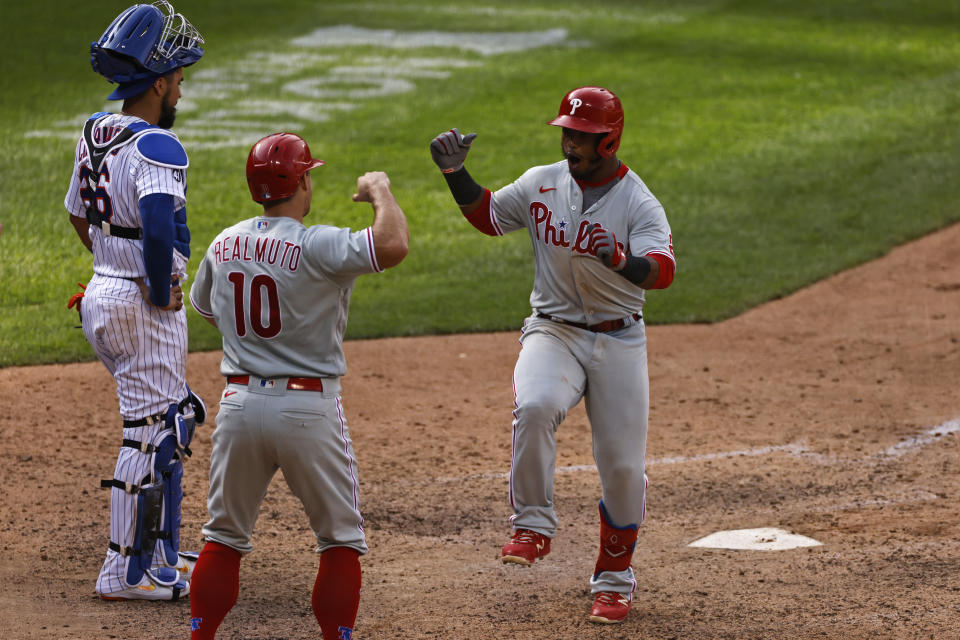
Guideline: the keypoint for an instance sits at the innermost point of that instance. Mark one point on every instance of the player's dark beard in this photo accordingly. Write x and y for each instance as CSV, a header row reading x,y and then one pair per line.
x,y
168,113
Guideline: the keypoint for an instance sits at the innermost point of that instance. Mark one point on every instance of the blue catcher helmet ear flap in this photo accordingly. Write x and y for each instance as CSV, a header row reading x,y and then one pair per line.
x,y
144,42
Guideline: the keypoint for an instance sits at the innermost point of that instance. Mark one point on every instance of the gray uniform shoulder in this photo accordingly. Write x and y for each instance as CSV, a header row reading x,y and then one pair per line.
x,y
243,226
552,173
641,198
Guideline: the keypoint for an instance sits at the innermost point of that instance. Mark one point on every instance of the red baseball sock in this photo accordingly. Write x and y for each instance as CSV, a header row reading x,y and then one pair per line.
x,y
336,593
213,589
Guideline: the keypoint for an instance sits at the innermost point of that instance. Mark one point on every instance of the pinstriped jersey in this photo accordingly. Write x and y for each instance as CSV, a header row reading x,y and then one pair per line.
x,y
569,282
125,177
280,294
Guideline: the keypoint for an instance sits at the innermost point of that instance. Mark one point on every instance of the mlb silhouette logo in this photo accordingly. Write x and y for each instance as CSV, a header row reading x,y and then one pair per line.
x,y
268,384
262,225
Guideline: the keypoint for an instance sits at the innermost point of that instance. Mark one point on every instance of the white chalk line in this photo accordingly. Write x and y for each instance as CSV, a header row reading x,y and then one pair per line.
x,y
855,505
923,439
793,449
912,443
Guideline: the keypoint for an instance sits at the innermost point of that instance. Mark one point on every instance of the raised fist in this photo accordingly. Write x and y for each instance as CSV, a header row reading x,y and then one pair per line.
x,y
449,150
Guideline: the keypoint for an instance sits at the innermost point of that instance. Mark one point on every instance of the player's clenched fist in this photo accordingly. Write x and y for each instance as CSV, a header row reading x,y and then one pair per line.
x,y
449,150
603,244
369,183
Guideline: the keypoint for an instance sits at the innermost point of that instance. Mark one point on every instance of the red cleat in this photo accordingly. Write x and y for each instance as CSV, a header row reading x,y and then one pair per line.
x,y
610,607
525,547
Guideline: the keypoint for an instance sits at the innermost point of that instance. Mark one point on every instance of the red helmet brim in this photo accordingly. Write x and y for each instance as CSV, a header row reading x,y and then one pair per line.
x,y
579,124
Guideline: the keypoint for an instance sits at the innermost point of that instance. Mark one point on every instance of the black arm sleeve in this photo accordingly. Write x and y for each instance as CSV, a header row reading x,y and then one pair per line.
x,y
636,270
463,187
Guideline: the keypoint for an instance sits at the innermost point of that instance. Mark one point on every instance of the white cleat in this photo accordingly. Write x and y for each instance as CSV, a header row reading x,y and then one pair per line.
x,y
186,561
153,586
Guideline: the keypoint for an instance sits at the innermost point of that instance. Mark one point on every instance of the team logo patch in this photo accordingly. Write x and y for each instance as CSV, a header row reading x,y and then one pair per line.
x,y
195,624
345,633
262,225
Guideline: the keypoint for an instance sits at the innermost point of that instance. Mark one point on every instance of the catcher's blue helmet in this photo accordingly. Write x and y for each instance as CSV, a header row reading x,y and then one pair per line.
x,y
143,43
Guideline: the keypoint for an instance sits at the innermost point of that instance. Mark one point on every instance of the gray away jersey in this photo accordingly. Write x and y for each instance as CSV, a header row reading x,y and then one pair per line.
x,y
280,294
570,283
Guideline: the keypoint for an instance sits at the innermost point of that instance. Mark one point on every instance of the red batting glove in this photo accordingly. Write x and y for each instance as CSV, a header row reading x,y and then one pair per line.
x,y
603,244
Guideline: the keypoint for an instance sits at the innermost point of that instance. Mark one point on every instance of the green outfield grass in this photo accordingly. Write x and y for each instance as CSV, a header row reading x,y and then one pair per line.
x,y
786,140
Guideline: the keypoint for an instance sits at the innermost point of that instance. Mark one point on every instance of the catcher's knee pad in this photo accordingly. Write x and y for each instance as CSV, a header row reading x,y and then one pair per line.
x,y
616,545
199,408
183,426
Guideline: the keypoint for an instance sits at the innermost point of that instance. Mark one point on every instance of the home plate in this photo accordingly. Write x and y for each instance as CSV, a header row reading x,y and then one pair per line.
x,y
764,539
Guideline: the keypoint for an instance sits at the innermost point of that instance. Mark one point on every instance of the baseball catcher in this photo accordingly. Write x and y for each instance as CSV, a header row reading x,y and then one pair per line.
x,y
127,203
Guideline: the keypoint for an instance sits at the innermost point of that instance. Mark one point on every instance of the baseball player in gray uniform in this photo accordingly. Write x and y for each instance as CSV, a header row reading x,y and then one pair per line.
x,y
127,203
280,292
600,238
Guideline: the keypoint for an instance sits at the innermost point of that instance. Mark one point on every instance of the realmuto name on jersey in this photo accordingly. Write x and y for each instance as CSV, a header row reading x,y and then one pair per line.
x,y
245,248
555,232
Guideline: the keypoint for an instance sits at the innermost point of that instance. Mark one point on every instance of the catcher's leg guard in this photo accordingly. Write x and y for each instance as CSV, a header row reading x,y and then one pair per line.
x,y
146,530
136,511
168,465
616,545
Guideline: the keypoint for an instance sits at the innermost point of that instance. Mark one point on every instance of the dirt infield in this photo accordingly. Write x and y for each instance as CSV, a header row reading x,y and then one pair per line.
x,y
832,413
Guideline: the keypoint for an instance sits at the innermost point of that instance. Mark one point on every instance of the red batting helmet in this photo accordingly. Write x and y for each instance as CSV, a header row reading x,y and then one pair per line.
x,y
593,110
275,165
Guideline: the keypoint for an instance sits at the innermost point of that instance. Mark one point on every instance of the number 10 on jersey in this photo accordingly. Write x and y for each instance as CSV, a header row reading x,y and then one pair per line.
x,y
248,304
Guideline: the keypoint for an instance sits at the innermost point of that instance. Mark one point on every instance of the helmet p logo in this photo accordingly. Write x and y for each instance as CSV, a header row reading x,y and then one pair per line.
x,y
575,103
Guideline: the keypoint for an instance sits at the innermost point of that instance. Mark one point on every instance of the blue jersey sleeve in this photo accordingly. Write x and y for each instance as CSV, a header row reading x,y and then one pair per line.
x,y
156,211
181,240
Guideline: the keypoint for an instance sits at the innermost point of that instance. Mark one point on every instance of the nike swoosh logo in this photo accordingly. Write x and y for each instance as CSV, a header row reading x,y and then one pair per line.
x,y
616,555
228,393
542,190
540,546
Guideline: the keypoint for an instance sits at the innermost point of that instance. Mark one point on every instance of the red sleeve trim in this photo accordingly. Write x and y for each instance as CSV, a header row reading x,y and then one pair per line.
x,y
202,312
667,269
483,217
372,250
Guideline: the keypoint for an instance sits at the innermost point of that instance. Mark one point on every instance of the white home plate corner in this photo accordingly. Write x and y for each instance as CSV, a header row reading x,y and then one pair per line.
x,y
763,539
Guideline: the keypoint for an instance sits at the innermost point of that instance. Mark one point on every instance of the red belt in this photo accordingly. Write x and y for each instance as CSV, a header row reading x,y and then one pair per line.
x,y
294,384
600,327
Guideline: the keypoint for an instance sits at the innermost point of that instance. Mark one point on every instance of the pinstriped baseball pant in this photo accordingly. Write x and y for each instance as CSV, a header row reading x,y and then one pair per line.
x,y
145,350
